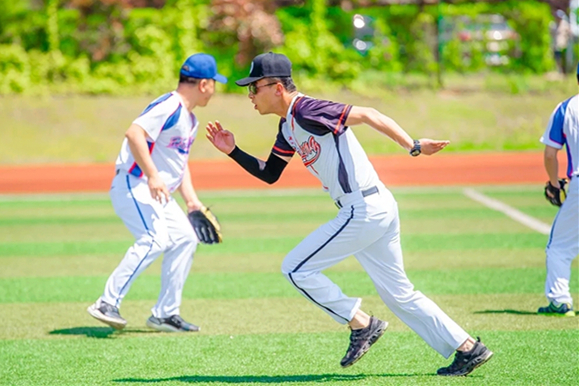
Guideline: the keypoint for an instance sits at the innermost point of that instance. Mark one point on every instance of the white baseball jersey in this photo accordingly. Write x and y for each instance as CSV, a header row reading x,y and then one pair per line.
x,y
366,226
563,245
316,130
171,131
158,228
563,130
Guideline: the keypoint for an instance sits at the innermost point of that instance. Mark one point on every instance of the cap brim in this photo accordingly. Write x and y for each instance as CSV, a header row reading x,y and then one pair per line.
x,y
220,78
247,81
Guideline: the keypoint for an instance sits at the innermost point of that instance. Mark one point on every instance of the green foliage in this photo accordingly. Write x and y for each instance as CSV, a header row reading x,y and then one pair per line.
x,y
385,53
531,21
420,55
52,25
14,69
47,46
315,51
452,56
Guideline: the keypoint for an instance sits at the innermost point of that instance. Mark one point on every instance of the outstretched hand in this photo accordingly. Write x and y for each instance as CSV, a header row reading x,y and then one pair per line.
x,y
431,146
222,139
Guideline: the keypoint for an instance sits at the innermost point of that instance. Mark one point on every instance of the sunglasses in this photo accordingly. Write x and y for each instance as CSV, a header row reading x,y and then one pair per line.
x,y
253,88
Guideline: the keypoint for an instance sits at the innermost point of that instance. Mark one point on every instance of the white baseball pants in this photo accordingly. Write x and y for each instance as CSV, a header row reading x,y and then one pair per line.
x,y
368,228
563,246
158,228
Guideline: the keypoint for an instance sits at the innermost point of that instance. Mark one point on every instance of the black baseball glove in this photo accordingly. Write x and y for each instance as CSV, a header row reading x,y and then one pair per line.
x,y
556,195
206,226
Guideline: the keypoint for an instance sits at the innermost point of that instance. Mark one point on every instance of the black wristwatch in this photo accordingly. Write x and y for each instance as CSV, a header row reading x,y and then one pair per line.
x,y
415,151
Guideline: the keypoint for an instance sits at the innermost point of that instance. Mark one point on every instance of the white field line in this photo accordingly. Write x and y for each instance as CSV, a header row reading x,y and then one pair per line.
x,y
80,196
513,213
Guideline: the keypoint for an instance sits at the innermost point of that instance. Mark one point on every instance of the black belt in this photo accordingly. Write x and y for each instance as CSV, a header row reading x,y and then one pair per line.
x,y
365,193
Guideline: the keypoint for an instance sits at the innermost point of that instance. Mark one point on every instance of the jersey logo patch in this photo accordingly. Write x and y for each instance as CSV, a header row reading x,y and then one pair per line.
x,y
182,145
310,151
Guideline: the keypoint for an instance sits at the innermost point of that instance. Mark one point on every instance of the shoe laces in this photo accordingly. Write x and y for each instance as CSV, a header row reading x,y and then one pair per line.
x,y
109,307
459,359
564,307
356,339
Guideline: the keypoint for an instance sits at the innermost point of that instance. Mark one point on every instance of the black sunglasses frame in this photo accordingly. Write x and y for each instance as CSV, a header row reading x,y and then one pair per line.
x,y
253,88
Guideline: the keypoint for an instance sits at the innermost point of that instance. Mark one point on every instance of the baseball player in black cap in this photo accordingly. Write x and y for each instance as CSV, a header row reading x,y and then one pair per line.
x,y
367,224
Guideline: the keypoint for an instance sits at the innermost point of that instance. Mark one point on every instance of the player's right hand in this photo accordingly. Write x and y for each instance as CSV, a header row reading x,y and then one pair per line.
x,y
222,139
158,189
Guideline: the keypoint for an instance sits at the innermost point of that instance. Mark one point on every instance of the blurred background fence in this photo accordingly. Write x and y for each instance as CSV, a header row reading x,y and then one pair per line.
x,y
133,47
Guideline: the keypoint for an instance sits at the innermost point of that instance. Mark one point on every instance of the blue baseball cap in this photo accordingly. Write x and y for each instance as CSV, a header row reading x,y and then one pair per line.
x,y
202,66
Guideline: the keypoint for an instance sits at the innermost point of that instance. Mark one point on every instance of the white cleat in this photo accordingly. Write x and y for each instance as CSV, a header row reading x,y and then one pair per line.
x,y
108,314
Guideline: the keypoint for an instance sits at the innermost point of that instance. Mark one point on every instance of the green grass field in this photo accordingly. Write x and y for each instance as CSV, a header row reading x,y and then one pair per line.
x,y
485,270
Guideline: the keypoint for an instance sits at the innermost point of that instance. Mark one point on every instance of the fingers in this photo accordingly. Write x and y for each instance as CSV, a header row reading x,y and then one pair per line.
x,y
430,146
165,194
161,195
211,132
211,129
439,144
214,130
159,192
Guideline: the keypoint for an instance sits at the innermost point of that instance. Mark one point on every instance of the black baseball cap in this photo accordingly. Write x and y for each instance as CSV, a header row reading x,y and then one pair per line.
x,y
269,65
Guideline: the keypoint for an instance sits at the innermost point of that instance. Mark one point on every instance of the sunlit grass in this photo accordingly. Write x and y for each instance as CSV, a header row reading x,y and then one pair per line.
x,y
483,269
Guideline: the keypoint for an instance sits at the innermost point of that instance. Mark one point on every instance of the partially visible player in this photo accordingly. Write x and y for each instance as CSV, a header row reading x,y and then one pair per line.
x,y
152,165
563,245
367,224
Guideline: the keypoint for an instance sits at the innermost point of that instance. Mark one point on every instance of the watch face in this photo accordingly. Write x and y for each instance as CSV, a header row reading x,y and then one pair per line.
x,y
414,152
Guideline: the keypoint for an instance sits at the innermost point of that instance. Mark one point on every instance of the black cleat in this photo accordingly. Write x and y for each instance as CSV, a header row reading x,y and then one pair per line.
x,y
107,314
564,309
173,323
466,361
361,340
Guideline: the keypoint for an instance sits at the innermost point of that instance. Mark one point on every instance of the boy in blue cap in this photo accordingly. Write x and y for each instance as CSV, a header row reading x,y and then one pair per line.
x,y
151,165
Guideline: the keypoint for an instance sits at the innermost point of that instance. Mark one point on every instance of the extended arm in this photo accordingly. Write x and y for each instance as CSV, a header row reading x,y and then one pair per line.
x,y
137,139
188,192
389,127
268,171
551,164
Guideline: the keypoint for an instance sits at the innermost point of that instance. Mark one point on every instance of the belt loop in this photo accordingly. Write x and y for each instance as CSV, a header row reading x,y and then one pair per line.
x,y
370,191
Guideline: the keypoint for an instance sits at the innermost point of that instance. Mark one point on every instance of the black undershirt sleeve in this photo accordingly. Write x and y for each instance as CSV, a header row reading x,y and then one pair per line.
x,y
270,171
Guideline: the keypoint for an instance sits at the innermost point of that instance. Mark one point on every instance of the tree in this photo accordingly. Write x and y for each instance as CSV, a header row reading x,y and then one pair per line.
x,y
251,22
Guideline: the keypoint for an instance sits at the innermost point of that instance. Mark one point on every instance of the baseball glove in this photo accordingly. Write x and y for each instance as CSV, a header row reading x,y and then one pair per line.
x,y
556,195
206,226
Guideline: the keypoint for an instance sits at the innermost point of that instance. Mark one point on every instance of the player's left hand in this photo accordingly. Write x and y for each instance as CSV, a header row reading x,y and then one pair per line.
x,y
431,146
556,194
205,225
